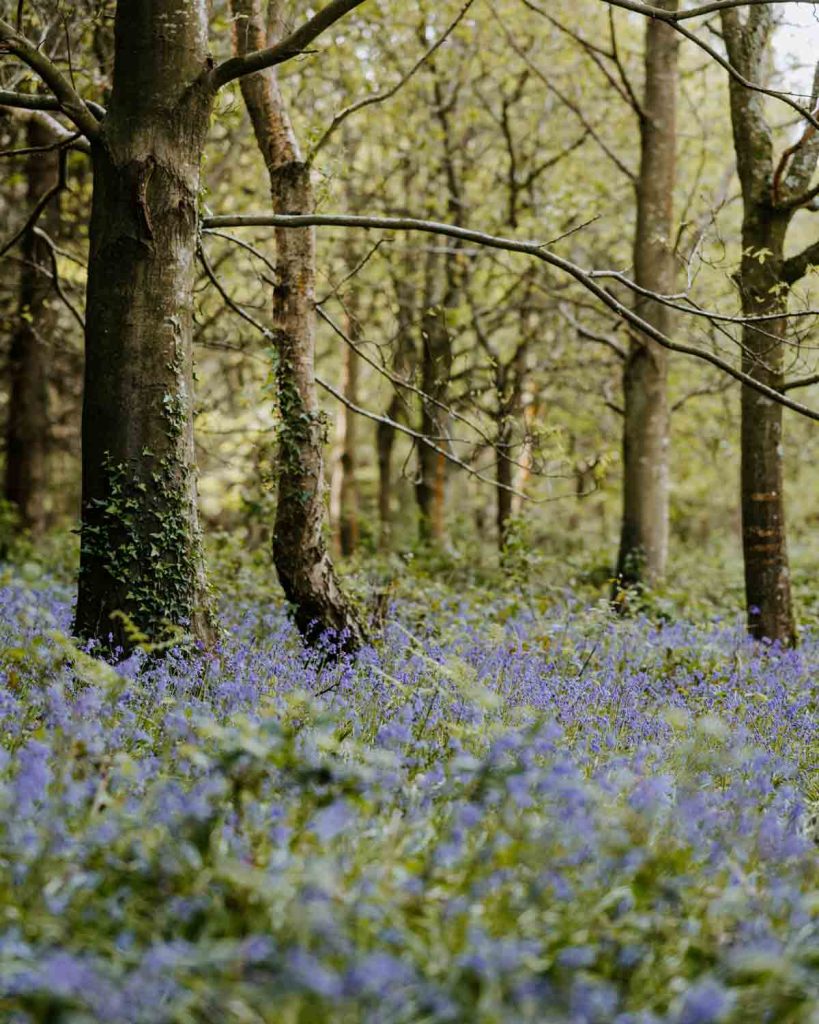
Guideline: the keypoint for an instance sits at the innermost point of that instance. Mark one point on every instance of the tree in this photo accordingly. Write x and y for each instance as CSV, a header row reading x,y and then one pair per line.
x,y
763,278
299,550
27,429
141,552
644,530
343,483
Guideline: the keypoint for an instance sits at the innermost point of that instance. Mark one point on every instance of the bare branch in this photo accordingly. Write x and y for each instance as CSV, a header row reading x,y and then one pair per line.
x,y
368,101
795,267
292,46
30,221
529,248
695,12
69,102
422,438
803,382
718,5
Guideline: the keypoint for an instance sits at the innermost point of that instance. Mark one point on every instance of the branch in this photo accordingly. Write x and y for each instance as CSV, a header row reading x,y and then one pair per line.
x,y
292,46
30,222
528,248
418,436
565,100
423,395
55,276
25,101
695,12
368,101
69,102
62,136
674,20
803,382
795,268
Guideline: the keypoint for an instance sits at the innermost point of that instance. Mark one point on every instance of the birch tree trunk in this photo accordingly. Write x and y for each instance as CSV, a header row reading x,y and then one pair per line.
x,y
299,549
140,545
644,533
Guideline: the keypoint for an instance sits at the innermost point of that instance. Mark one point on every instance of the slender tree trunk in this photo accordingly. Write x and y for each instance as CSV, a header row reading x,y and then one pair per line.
x,y
299,550
764,544
530,410
385,442
402,363
436,364
509,385
141,549
763,290
505,480
644,534
27,431
442,293
343,485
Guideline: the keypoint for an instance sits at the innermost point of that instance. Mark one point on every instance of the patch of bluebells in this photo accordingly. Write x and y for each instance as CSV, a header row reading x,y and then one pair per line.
x,y
494,814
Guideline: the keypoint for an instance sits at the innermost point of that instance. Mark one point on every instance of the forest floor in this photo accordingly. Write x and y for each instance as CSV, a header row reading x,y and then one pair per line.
x,y
507,809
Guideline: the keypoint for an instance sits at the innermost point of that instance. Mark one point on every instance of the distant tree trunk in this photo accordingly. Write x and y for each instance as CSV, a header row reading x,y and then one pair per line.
x,y
27,430
299,551
141,549
442,293
436,364
402,362
509,383
343,485
530,409
384,442
763,289
644,534
504,478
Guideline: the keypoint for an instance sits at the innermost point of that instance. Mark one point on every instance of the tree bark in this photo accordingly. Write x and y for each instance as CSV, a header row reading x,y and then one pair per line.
x,y
141,549
343,484
442,293
27,429
436,364
644,532
763,290
510,380
402,363
299,551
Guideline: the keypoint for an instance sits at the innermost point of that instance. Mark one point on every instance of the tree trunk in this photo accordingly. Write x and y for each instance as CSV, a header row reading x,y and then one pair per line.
x,y
442,293
503,475
762,289
27,431
384,443
644,534
299,550
509,384
141,549
343,485
764,545
402,364
436,364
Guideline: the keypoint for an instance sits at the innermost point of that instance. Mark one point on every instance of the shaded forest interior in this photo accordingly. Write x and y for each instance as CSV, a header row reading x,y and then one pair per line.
x,y
512,291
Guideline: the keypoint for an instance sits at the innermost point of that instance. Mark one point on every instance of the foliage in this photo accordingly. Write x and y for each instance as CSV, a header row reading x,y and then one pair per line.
x,y
507,811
